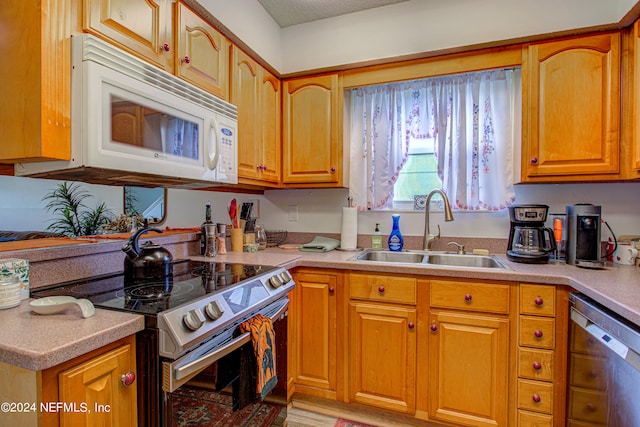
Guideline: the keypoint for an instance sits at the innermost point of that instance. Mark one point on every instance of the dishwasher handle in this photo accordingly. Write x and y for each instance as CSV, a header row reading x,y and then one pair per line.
x,y
606,338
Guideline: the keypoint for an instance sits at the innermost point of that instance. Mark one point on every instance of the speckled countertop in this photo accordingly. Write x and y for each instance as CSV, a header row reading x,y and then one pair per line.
x,y
616,286
33,341
37,342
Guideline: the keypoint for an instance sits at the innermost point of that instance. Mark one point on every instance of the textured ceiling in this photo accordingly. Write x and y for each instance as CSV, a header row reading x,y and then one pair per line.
x,y
292,12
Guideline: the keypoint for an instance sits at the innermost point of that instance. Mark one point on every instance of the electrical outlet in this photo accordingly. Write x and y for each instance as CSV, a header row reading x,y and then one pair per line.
x,y
293,213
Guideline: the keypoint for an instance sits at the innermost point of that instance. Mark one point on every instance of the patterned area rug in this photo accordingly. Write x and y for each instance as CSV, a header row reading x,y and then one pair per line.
x,y
201,407
347,423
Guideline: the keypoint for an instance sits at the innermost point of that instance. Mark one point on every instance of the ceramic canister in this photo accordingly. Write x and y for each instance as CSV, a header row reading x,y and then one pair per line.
x,y
9,291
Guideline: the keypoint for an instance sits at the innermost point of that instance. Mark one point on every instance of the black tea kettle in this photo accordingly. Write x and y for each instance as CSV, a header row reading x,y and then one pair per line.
x,y
149,261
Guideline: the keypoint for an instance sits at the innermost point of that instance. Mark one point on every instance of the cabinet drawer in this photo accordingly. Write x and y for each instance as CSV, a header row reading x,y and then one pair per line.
x,y
535,364
535,396
537,332
587,371
538,300
587,405
532,419
470,296
383,288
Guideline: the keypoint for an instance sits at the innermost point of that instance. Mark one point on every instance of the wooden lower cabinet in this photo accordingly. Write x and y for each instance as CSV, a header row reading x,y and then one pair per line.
x,y
460,352
468,368
382,355
85,391
314,317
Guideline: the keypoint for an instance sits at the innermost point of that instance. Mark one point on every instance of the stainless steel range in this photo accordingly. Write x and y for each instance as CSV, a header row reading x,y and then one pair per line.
x,y
191,320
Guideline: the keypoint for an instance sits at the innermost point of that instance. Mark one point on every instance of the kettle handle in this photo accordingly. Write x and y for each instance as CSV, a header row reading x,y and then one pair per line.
x,y
132,248
552,240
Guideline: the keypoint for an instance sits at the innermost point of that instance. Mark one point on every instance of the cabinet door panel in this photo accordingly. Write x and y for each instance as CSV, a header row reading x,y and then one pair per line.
x,y
245,95
468,365
572,107
203,53
383,356
312,143
315,337
96,383
141,27
271,135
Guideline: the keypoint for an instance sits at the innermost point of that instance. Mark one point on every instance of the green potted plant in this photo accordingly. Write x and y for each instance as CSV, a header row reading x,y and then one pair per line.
x,y
74,217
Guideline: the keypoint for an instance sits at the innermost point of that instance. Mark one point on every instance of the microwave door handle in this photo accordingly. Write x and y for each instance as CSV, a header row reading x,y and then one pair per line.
x,y
214,140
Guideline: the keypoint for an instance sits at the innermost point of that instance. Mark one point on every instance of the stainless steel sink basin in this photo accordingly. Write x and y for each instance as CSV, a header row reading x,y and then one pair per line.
x,y
476,261
388,256
430,259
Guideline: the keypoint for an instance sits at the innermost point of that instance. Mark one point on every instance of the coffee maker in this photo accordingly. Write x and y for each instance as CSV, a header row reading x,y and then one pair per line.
x,y
529,240
583,235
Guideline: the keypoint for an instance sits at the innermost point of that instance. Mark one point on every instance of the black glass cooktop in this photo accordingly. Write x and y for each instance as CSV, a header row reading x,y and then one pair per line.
x,y
190,280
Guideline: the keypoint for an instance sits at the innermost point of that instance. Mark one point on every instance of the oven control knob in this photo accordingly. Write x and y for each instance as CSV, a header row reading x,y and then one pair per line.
x,y
285,277
275,281
213,310
193,319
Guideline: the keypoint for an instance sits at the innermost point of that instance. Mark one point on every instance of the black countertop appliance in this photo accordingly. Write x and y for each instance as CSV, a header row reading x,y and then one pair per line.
x,y
529,240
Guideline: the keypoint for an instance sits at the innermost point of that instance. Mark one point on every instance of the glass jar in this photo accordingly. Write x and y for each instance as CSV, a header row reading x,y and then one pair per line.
x,y
261,237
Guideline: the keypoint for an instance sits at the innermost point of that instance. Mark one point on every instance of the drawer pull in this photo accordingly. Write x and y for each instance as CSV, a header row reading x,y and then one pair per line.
x,y
434,327
186,60
538,333
411,325
381,289
468,297
538,301
166,47
537,366
536,398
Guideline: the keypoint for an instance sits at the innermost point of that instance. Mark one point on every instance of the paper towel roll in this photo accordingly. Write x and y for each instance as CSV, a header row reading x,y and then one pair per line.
x,y
349,233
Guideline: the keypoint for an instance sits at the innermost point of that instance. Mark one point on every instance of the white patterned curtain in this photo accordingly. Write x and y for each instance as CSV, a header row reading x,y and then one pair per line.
x,y
474,119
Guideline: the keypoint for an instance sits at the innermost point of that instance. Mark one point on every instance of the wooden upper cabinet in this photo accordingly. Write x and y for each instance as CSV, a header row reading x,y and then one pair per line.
x,y
35,112
312,130
202,53
270,100
571,104
635,99
143,28
256,93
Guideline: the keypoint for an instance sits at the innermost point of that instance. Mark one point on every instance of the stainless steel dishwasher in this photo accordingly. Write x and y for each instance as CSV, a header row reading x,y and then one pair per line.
x,y
604,367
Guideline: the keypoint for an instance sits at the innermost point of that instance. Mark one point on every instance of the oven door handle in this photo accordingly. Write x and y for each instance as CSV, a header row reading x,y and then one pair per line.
x,y
174,376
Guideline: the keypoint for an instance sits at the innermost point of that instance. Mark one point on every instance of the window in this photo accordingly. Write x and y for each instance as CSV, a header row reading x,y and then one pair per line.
x,y
455,133
418,176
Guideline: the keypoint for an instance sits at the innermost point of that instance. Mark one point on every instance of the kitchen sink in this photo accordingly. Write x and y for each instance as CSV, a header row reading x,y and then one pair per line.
x,y
389,256
430,259
477,261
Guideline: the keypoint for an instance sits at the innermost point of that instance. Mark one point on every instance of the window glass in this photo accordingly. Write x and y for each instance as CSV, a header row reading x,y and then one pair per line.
x,y
418,176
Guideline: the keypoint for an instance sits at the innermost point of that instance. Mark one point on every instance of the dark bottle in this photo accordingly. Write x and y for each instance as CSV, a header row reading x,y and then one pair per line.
x,y
203,234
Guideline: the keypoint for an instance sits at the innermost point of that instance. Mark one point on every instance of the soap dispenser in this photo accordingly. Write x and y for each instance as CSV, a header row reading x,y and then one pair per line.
x,y
396,242
376,239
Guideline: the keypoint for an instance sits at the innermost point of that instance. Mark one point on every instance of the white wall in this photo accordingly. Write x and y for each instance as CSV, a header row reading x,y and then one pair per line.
x,y
321,211
405,28
248,20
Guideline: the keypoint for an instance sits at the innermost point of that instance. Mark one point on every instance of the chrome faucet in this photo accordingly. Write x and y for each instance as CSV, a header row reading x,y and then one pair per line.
x,y
448,216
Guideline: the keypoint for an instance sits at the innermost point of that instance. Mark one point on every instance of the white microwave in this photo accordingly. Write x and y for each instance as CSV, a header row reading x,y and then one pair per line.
x,y
134,124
